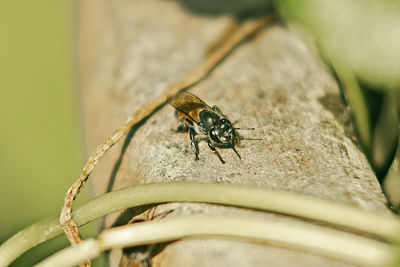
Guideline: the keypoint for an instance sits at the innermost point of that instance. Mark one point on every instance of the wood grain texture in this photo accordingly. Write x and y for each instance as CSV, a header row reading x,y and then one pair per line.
x,y
131,50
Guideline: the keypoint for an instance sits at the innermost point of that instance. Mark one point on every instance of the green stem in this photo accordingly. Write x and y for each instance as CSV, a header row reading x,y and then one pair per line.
x,y
357,103
290,234
386,227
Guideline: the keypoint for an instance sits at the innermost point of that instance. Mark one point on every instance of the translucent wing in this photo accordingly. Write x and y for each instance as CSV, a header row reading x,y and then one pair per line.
x,y
188,105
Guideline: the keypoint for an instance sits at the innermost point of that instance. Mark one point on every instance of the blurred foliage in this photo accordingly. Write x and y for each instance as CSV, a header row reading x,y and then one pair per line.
x,y
360,40
40,153
236,8
40,142
391,183
363,34
397,260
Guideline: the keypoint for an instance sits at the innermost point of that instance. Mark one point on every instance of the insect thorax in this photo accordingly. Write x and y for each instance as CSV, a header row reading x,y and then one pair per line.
x,y
208,119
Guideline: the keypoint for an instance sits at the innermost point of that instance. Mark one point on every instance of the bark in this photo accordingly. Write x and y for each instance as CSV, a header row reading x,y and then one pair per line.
x,y
130,51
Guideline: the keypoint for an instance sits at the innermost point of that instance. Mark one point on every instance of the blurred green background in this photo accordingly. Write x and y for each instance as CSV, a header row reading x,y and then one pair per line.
x,y
360,42
41,150
40,139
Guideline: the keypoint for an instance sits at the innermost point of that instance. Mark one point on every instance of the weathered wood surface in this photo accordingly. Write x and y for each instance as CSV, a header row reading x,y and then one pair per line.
x,y
130,51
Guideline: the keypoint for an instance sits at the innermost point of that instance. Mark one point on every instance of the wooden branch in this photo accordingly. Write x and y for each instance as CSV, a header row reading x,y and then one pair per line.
x,y
131,51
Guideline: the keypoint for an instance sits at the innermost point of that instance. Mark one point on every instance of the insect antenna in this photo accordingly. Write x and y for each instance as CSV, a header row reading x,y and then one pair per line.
x,y
244,128
247,128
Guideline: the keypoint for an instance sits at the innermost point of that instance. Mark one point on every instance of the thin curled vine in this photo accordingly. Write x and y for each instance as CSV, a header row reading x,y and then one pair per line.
x,y
245,30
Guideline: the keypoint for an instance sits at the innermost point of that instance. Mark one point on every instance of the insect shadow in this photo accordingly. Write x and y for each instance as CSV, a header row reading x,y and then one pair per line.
x,y
141,255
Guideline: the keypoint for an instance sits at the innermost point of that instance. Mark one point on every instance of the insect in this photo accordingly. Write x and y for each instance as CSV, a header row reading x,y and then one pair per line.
x,y
205,123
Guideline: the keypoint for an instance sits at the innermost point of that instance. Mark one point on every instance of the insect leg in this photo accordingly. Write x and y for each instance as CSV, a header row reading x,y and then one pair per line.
x,y
194,142
210,145
233,147
184,124
236,141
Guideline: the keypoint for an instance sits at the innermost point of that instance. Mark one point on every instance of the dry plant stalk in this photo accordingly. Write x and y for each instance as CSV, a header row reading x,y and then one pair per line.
x,y
200,72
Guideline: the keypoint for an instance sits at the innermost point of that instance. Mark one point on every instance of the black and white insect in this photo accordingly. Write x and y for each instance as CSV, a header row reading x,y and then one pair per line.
x,y
205,123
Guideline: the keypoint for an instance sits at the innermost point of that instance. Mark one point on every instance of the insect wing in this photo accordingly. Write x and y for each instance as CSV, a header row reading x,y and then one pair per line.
x,y
189,105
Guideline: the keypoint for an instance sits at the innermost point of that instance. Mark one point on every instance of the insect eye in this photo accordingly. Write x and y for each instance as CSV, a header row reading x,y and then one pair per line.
x,y
214,136
224,122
